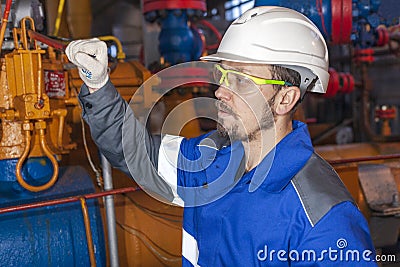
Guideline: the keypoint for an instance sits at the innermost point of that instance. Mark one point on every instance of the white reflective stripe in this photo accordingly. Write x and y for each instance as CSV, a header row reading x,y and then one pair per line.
x,y
302,204
213,147
168,163
189,248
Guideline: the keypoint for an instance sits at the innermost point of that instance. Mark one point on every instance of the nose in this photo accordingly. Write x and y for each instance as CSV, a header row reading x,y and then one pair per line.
x,y
223,93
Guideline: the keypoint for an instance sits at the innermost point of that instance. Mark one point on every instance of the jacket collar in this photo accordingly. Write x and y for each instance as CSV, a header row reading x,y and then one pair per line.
x,y
276,170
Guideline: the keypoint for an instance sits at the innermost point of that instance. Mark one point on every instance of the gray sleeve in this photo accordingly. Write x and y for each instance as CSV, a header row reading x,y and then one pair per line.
x,y
122,139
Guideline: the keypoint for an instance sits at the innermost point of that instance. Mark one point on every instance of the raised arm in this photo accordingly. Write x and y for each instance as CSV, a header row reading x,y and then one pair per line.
x,y
120,137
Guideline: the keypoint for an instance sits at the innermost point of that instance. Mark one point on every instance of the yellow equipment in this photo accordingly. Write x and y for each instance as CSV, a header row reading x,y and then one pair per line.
x,y
33,124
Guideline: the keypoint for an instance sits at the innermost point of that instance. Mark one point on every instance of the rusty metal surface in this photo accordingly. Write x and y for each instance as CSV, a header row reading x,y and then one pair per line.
x,y
12,141
349,172
5,97
379,188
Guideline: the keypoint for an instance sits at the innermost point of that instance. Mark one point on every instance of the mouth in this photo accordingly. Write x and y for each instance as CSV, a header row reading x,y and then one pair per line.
x,y
224,110
222,113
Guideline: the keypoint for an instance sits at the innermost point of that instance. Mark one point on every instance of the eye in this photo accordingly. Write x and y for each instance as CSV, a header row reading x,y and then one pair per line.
x,y
240,80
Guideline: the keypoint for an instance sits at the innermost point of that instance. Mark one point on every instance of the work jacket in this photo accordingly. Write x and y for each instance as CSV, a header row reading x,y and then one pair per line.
x,y
290,210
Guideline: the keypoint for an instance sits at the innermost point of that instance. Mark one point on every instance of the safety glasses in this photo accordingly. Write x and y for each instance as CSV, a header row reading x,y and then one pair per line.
x,y
240,82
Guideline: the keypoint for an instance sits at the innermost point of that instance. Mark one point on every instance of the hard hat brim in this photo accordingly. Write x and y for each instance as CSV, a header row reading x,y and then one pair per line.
x,y
220,56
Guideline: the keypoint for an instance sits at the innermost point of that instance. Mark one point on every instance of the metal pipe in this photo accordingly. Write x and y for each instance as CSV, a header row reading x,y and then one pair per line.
x,y
24,35
18,168
47,152
61,122
61,113
110,212
47,40
57,24
23,86
89,238
66,200
40,101
361,159
120,52
31,77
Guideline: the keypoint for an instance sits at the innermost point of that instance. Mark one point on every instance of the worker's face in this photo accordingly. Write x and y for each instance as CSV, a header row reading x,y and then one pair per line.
x,y
244,108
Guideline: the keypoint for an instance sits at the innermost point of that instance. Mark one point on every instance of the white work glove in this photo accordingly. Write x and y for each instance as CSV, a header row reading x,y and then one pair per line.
x,y
90,56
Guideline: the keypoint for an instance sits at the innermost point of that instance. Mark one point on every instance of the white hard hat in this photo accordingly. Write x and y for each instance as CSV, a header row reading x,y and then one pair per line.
x,y
277,36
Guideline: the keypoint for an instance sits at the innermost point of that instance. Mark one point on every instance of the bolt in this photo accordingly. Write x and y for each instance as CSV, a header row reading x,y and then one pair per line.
x,y
39,104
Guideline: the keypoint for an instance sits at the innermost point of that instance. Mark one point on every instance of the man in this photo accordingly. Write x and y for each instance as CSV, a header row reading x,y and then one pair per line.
x,y
254,191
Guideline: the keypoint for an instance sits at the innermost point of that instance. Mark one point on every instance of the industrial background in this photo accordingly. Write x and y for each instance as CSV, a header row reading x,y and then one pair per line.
x,y
61,204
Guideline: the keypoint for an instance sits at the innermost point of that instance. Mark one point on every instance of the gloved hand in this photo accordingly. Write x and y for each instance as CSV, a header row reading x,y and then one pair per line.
x,y
90,56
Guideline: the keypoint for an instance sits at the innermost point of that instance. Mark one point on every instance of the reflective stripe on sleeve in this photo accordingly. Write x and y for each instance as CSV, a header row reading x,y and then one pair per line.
x,y
168,162
189,248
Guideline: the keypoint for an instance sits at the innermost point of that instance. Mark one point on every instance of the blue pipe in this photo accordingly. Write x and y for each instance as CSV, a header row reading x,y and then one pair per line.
x,y
177,41
54,235
35,171
365,17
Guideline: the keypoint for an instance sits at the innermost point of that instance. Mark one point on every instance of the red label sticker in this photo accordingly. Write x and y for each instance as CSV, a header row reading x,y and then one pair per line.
x,y
54,83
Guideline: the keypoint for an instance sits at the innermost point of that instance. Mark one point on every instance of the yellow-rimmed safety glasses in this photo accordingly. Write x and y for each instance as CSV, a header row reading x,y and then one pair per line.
x,y
240,82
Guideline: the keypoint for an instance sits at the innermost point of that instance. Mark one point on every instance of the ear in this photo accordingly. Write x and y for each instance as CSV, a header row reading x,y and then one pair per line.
x,y
286,99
